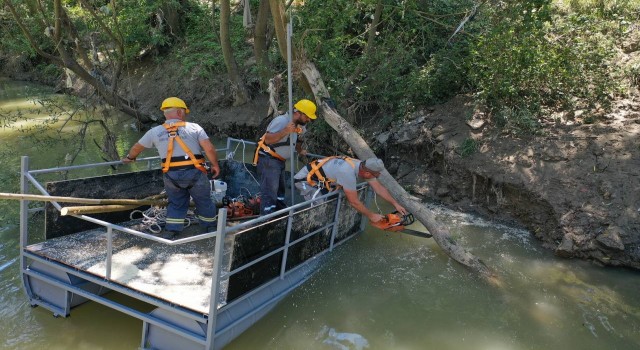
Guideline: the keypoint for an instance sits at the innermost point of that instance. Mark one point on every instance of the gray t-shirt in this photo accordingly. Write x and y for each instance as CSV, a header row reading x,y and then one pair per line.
x,y
339,170
158,137
278,123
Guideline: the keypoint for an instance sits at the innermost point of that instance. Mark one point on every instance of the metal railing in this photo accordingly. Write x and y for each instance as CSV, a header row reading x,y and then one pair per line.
x,y
215,305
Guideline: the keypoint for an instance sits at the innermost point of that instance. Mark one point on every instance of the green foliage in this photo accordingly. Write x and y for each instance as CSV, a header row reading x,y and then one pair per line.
x,y
522,58
518,121
200,51
468,147
409,63
442,77
139,23
49,70
534,56
633,74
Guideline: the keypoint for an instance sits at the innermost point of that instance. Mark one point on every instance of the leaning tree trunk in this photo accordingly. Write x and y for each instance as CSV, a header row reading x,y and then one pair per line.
x,y
241,96
362,150
260,41
280,26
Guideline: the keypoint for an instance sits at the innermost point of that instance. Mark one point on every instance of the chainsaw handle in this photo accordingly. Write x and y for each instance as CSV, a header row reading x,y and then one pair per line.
x,y
406,219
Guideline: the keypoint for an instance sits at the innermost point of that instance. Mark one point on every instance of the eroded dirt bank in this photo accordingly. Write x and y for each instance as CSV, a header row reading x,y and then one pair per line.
x,y
577,187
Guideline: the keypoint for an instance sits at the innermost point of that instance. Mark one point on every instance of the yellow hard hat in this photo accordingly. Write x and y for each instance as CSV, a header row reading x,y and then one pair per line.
x,y
307,107
174,102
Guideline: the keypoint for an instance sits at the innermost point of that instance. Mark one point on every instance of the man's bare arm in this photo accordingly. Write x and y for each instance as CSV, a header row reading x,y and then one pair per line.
x,y
382,191
352,198
210,150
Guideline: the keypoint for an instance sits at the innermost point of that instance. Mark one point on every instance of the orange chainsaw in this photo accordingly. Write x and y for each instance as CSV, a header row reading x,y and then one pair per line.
x,y
396,222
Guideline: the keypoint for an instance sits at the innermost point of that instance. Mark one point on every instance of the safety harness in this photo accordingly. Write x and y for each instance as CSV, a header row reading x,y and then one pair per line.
x,y
173,162
268,149
317,177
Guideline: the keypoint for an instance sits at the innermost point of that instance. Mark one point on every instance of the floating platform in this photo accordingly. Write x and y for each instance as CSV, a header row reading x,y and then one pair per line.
x,y
204,288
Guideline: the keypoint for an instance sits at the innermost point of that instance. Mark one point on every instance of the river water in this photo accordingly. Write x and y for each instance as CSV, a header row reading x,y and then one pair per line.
x,y
378,291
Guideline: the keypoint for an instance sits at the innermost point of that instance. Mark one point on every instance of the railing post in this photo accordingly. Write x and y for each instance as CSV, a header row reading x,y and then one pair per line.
x,y
336,217
24,221
287,239
290,93
215,278
109,252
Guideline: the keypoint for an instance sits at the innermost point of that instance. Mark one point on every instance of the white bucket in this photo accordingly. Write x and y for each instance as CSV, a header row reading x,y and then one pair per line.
x,y
218,191
220,186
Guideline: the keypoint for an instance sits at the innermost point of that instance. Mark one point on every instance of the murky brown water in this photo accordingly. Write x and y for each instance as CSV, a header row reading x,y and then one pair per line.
x,y
379,291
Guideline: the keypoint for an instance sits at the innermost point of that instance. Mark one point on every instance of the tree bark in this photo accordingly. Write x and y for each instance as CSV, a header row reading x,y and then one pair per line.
x,y
240,92
279,23
260,41
279,20
374,27
169,10
361,149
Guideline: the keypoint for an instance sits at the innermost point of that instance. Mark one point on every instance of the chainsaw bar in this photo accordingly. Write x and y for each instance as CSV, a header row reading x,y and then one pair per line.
x,y
416,233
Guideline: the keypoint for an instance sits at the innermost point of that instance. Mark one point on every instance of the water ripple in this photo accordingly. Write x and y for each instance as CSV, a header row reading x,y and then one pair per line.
x,y
7,264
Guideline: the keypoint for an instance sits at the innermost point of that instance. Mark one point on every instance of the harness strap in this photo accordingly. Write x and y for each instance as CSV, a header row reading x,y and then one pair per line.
x,y
268,149
317,176
172,129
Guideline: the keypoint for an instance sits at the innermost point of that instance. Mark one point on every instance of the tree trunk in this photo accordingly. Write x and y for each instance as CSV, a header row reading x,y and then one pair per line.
x,y
247,21
374,27
356,142
170,12
279,23
260,41
240,93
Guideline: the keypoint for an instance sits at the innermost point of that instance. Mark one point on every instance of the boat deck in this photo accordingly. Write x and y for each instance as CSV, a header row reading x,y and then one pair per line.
x,y
205,289
180,274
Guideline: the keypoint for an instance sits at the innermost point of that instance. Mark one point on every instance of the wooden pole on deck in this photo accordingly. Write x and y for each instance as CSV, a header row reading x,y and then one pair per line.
x,y
96,209
95,201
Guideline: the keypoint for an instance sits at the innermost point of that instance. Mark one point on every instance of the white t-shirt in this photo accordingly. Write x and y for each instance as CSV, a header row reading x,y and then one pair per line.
x,y
158,137
339,170
277,124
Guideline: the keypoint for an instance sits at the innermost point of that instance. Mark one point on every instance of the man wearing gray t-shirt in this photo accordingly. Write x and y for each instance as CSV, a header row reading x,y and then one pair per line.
x,y
180,145
274,149
331,173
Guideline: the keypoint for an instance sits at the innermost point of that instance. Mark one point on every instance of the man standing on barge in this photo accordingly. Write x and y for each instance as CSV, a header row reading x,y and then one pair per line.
x,y
274,149
181,144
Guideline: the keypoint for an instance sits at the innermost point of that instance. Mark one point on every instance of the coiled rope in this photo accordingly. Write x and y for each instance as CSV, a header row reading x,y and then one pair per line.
x,y
154,218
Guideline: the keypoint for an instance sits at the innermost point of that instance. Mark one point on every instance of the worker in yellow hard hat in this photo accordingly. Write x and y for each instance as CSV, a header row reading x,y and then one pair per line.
x,y
274,149
181,145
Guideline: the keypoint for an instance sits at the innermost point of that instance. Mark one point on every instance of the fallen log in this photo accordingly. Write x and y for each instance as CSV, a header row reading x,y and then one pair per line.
x,y
440,233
